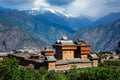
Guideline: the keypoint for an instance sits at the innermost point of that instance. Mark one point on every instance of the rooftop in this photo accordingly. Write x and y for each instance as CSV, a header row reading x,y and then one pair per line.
x,y
64,41
93,56
3,53
75,60
50,58
78,60
47,48
64,38
80,42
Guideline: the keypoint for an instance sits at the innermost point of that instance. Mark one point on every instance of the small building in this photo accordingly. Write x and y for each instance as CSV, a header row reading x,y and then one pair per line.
x,y
47,51
94,58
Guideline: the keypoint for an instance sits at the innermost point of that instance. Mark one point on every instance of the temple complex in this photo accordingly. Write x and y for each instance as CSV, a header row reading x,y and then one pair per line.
x,y
65,55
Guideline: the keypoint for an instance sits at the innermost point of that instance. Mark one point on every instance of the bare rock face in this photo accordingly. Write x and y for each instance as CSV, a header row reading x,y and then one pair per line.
x,y
103,37
12,38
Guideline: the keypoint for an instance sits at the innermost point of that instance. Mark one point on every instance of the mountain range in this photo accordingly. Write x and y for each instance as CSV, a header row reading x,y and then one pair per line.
x,y
105,37
111,17
44,28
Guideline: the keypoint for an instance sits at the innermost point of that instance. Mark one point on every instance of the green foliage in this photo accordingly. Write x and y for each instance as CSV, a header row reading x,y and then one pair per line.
x,y
99,73
52,75
10,70
72,74
111,63
28,74
42,73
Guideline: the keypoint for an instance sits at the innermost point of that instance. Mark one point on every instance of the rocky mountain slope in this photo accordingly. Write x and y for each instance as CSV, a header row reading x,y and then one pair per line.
x,y
100,38
13,38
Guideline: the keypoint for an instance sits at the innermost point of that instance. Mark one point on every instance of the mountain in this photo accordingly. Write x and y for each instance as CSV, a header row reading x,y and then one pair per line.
x,y
75,23
111,17
6,10
36,25
103,37
79,22
13,38
48,26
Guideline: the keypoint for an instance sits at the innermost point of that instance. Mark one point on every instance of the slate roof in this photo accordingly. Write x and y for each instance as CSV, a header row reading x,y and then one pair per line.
x,y
80,42
47,49
64,41
61,62
75,60
50,58
23,55
64,38
93,56
68,42
26,56
3,53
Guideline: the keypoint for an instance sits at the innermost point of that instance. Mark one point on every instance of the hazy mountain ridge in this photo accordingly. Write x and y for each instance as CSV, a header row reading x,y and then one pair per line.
x,y
111,17
103,37
6,10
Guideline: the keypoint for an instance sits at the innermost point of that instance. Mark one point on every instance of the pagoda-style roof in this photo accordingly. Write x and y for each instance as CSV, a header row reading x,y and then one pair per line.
x,y
64,41
80,42
47,49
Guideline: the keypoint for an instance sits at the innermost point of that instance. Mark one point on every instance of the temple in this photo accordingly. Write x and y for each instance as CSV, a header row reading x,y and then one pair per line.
x,y
65,55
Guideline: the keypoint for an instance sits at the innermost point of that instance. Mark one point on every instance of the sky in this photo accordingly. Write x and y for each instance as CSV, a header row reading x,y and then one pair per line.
x,y
71,8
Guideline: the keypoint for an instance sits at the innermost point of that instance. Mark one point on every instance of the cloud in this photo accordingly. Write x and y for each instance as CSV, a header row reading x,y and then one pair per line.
x,y
40,4
92,8
113,3
16,3
59,2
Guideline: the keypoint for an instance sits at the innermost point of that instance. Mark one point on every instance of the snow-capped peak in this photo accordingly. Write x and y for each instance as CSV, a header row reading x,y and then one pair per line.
x,y
36,11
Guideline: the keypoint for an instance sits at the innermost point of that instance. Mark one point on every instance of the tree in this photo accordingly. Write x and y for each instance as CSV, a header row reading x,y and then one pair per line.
x,y
52,75
9,69
28,73
42,72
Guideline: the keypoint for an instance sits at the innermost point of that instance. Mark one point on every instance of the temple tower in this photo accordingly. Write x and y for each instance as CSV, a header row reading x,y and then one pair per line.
x,y
82,49
64,48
